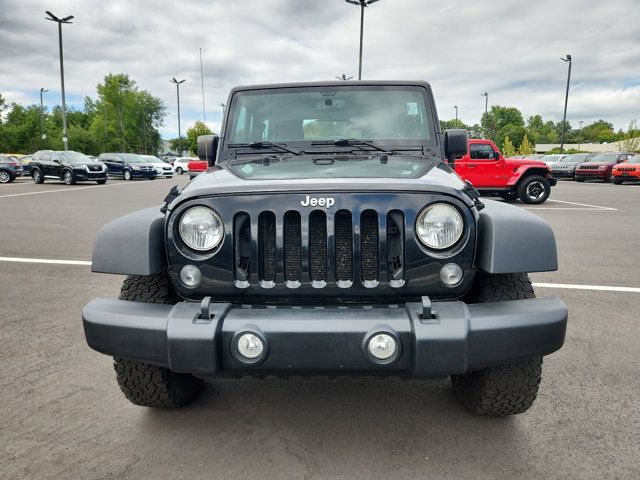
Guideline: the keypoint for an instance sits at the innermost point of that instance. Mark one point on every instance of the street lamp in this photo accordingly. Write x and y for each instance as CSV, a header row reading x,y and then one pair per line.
x,y
456,107
486,101
361,4
178,82
42,134
60,21
580,134
566,99
343,77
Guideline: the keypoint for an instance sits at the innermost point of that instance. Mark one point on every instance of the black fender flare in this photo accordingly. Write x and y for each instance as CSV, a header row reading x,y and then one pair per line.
x,y
514,240
131,245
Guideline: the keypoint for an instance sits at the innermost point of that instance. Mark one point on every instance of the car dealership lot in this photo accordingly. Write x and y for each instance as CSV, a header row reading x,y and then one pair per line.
x,y
61,414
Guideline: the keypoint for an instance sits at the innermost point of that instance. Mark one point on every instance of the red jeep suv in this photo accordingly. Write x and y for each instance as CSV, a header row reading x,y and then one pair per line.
x,y
511,178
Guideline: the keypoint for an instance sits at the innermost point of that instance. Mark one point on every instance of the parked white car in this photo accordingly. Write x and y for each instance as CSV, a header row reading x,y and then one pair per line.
x,y
181,164
163,169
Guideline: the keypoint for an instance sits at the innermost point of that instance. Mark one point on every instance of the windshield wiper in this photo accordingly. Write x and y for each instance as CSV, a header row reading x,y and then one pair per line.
x,y
260,145
355,142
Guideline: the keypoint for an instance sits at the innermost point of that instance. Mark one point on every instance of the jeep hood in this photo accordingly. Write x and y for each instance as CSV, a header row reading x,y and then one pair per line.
x,y
220,180
524,161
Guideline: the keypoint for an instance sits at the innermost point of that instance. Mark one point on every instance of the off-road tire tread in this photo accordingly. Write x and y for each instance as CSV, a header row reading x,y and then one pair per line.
x,y
506,389
142,383
522,189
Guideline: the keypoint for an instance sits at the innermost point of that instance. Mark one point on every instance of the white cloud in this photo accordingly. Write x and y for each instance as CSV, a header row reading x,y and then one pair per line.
x,y
510,49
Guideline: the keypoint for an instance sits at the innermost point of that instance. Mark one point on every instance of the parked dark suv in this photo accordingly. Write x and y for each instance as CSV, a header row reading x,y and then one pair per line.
x,y
599,166
10,168
70,167
128,165
328,237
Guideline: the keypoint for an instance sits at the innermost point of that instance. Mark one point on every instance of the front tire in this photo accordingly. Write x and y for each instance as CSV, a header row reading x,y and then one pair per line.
x,y
68,177
534,190
127,175
145,384
179,171
579,180
101,182
5,177
506,389
37,176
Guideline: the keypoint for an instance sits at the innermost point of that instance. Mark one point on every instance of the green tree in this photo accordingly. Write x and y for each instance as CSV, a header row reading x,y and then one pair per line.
x,y
526,148
508,150
631,139
197,129
178,144
515,133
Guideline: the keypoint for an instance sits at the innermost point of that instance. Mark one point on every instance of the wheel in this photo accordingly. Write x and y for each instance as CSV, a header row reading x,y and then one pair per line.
x,y
68,178
152,178
101,182
5,177
608,179
617,181
142,383
37,176
127,175
534,189
579,180
179,171
506,389
508,196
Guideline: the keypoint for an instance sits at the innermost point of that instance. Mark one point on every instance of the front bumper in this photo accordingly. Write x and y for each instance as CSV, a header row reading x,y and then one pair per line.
x,y
456,337
84,175
592,174
562,173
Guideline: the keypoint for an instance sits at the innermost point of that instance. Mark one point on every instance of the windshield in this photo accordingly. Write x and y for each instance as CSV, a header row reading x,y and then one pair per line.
x,y
325,114
344,166
132,158
74,157
634,159
551,158
151,159
604,158
575,158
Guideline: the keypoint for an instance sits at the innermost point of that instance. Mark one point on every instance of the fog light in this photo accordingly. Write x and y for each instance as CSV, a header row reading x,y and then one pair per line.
x,y
451,274
249,346
382,346
190,276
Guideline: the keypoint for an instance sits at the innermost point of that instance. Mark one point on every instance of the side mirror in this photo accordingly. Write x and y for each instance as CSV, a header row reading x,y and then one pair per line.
x,y
456,143
208,148
496,155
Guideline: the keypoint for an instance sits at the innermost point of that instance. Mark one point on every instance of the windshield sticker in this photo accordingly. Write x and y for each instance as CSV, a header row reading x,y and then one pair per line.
x,y
247,169
412,108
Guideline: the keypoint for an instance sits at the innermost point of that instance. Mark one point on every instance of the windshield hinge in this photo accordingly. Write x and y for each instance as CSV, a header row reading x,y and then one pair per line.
x,y
473,194
171,196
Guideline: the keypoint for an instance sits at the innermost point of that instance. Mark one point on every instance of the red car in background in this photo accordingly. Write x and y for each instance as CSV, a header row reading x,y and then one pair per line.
x,y
600,166
628,171
196,166
486,168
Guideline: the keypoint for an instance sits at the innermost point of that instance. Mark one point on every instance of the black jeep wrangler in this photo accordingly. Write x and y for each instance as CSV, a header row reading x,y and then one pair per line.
x,y
329,236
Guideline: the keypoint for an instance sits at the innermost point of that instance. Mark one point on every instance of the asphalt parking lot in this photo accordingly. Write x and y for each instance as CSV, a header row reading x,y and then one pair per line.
x,y
63,416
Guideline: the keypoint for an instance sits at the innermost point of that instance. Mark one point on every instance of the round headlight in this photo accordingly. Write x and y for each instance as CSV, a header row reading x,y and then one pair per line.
x,y
439,226
201,228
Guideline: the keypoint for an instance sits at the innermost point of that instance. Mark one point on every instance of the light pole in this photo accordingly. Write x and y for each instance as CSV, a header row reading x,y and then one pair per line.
x,y
178,82
42,134
60,21
361,4
456,107
580,134
566,100
343,77
486,109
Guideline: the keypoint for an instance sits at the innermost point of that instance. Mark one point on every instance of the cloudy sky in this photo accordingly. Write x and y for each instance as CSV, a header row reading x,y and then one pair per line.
x,y
508,48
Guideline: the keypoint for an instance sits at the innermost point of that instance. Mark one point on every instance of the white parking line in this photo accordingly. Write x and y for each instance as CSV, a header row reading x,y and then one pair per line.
x,y
583,205
44,260
70,189
600,288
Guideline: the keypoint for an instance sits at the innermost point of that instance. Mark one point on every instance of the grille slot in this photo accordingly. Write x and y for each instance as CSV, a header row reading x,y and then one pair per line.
x,y
369,242
242,246
344,245
395,245
292,247
267,243
318,246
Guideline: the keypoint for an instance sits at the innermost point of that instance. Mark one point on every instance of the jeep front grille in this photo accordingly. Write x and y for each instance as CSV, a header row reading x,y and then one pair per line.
x,y
318,248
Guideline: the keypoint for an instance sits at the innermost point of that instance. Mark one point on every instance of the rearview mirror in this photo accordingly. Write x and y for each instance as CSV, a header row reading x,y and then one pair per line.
x,y
208,148
456,143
